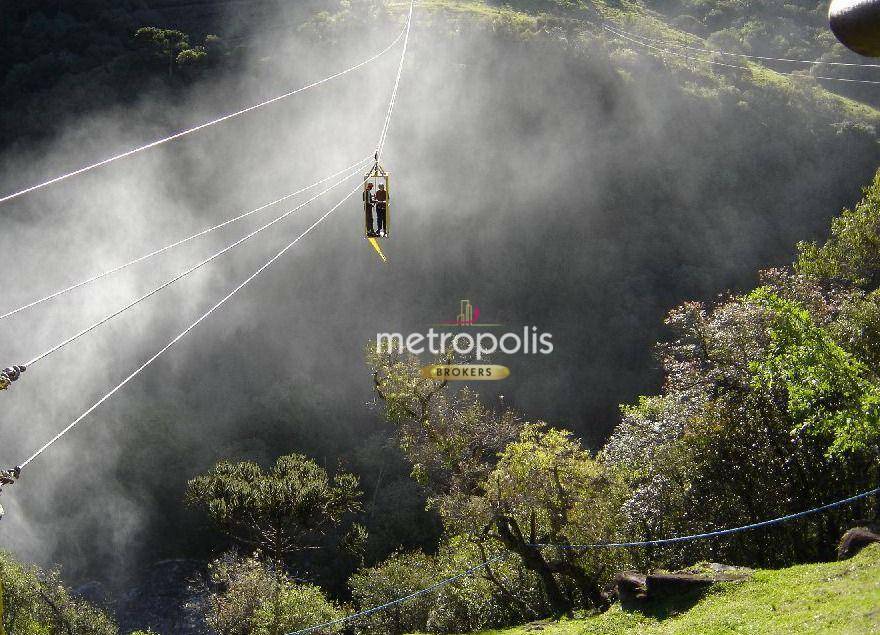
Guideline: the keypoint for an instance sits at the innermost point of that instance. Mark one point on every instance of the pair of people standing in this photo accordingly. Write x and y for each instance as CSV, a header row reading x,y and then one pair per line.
x,y
379,202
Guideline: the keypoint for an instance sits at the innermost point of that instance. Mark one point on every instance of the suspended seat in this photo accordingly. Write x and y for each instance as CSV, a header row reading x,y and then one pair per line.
x,y
377,202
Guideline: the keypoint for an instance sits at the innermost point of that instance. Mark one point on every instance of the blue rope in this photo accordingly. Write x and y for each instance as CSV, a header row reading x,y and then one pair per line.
x,y
597,545
720,532
387,605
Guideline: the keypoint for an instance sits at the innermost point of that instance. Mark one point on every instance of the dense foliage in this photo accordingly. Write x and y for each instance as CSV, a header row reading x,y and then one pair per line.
x,y
774,391
35,602
771,405
248,595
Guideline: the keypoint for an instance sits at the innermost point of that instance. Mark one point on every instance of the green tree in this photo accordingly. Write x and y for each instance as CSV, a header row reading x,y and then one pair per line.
x,y
237,586
547,488
454,442
167,44
826,390
192,57
852,252
285,510
38,603
499,594
759,397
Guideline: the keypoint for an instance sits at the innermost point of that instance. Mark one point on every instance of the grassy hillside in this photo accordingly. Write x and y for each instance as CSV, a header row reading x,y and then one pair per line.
x,y
832,597
583,20
63,59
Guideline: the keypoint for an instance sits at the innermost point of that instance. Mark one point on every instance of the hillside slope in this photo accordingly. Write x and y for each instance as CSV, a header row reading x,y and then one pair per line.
x,y
584,19
832,597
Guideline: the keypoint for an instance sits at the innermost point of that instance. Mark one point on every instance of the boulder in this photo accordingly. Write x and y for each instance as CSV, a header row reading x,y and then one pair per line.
x,y
719,572
631,588
635,590
673,585
854,540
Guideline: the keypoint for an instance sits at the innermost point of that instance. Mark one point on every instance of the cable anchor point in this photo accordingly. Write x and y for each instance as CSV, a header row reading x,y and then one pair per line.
x,y
8,477
10,374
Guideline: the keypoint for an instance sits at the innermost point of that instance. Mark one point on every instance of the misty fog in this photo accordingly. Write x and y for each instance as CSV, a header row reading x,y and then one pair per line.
x,y
531,178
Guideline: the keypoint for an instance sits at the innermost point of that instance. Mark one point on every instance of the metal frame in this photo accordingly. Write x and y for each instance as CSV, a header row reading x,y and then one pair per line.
x,y
376,174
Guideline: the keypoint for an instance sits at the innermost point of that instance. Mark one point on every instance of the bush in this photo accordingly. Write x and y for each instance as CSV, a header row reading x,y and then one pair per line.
x,y
295,606
400,575
250,596
38,603
504,593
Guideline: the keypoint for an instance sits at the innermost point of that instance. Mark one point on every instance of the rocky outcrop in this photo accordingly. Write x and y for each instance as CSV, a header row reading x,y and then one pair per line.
x,y
661,586
631,588
635,589
164,599
854,540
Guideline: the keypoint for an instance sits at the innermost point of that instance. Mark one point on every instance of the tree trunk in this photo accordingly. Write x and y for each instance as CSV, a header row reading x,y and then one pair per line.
x,y
512,538
276,602
588,587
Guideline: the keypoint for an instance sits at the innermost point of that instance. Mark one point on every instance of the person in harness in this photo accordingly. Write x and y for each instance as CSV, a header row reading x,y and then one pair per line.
x,y
369,203
381,210
9,375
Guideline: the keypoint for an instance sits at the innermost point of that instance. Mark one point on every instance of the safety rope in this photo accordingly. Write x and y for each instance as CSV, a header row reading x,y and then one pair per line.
x,y
744,55
183,133
471,570
223,300
387,605
720,532
715,63
182,241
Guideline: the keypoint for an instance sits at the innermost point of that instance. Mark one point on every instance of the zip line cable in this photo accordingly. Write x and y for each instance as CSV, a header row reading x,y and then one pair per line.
x,y
182,133
744,55
379,148
183,333
662,50
382,137
223,300
183,274
162,250
676,53
625,36
486,563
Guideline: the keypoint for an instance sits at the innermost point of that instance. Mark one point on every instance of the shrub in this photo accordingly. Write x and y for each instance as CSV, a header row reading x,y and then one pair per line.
x,y
38,603
295,606
250,596
400,575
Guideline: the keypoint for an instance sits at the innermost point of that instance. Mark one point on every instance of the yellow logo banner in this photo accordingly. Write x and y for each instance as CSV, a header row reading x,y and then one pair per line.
x,y
465,372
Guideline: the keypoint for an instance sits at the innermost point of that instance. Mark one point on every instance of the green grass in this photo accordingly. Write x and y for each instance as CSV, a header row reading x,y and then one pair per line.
x,y
832,597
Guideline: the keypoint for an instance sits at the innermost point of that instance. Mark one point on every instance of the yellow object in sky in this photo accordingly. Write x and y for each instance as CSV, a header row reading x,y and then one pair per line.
x,y
375,244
